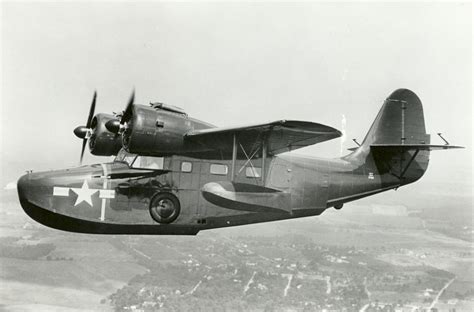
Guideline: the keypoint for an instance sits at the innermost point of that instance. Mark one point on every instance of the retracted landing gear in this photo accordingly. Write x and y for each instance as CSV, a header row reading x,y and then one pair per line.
x,y
164,208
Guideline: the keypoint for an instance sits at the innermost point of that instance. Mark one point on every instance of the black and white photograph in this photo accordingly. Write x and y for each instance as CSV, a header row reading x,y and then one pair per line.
x,y
236,156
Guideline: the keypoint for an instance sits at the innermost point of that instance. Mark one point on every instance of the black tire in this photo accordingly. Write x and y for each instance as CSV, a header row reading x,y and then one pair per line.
x,y
164,208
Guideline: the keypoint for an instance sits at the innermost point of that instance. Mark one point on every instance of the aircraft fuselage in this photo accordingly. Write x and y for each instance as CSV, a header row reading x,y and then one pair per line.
x,y
115,197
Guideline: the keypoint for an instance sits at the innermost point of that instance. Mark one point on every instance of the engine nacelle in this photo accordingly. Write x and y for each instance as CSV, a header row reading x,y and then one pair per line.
x,y
158,130
103,142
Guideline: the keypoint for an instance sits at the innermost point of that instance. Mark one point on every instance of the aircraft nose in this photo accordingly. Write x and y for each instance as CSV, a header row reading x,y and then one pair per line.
x,y
26,195
23,187
50,196
35,190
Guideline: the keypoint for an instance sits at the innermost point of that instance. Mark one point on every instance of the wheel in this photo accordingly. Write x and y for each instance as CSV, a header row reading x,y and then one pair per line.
x,y
164,207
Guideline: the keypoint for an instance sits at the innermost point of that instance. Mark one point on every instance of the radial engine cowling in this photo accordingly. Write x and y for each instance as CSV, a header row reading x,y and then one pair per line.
x,y
103,142
156,132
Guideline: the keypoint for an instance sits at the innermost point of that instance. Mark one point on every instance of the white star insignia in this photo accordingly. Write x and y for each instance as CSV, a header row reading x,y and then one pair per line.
x,y
84,194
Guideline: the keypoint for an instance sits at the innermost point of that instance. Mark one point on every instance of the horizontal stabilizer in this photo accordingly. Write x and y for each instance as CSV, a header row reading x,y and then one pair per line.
x,y
408,147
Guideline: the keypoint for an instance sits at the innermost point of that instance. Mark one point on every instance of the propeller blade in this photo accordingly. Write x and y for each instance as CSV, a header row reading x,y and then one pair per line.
x,y
91,111
128,110
83,132
84,142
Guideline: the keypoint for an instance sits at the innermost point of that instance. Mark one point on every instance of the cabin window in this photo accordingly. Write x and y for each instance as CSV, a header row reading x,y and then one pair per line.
x,y
148,162
253,172
186,166
218,169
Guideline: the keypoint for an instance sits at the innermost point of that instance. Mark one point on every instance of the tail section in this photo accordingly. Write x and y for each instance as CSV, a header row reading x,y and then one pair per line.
x,y
397,146
400,123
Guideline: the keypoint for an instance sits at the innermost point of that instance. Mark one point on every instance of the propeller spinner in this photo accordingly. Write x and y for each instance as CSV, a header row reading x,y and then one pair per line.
x,y
118,126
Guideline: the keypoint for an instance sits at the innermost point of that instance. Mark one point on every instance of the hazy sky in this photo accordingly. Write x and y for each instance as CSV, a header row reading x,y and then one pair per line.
x,y
228,64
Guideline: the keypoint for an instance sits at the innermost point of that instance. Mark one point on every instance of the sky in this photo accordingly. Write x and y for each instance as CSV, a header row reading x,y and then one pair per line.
x,y
232,63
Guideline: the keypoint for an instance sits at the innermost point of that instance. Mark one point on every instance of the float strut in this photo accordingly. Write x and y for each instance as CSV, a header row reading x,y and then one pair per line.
x,y
234,156
264,156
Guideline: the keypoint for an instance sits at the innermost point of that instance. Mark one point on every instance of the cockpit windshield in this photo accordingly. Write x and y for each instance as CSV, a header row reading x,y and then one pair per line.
x,y
138,161
148,162
124,156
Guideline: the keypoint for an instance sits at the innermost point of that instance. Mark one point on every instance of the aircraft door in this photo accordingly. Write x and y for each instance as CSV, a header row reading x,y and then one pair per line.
x,y
322,191
279,177
188,174
316,189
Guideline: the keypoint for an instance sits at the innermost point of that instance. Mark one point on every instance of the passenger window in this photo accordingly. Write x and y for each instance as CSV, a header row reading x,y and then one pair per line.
x,y
186,166
218,169
253,172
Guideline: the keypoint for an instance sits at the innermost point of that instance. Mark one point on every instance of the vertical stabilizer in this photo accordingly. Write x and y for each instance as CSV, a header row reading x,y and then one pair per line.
x,y
399,122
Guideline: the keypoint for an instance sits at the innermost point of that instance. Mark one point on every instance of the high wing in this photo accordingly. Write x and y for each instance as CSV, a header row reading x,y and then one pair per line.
x,y
280,136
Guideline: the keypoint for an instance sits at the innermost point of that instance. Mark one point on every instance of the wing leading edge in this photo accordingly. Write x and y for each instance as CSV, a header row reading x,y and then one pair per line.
x,y
280,136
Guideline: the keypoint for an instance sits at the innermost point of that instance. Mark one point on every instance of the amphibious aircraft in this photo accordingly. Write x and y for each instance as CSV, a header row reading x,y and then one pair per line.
x,y
174,174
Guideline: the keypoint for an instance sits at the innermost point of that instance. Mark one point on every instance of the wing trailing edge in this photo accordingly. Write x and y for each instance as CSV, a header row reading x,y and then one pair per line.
x,y
408,147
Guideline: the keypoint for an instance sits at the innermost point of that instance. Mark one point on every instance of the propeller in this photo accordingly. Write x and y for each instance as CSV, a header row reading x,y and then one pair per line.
x,y
117,126
114,125
128,110
84,132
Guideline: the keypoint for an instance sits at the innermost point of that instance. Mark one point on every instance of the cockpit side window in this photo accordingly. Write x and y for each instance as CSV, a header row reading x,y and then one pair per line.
x,y
124,156
148,162
139,162
129,159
